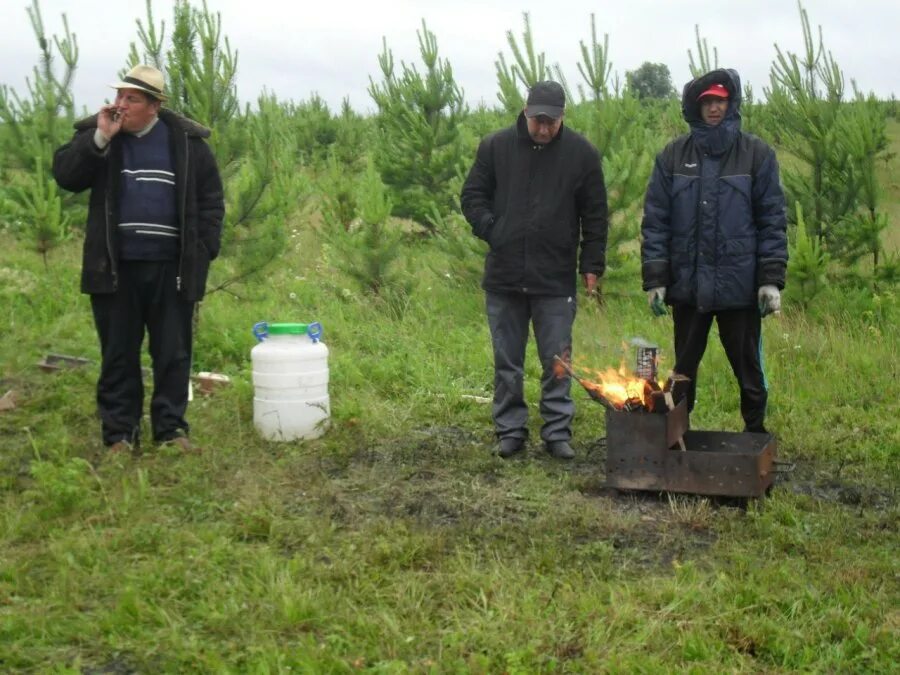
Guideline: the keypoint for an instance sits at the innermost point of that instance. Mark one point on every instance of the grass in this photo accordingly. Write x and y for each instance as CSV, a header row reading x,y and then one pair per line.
x,y
397,543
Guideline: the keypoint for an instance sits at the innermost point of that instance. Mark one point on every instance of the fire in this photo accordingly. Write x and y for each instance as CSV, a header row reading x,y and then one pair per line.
x,y
620,387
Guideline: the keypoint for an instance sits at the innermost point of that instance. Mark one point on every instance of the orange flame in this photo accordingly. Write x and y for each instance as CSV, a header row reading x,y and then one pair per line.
x,y
619,386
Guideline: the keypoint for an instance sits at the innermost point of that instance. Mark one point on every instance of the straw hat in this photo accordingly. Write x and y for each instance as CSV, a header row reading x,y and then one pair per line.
x,y
145,78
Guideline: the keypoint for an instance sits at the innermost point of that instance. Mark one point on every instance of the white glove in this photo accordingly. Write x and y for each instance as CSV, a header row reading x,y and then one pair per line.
x,y
769,300
656,298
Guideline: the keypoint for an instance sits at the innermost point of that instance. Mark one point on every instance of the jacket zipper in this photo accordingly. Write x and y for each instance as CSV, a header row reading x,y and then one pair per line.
x,y
109,249
184,175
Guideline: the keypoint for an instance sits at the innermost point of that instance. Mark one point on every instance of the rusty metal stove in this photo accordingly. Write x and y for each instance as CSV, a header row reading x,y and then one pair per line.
x,y
658,452
650,446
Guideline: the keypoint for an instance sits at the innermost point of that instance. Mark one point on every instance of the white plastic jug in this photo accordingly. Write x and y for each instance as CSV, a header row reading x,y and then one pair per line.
x,y
290,381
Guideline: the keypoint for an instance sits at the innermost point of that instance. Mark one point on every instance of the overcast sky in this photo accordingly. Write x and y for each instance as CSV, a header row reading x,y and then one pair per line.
x,y
297,48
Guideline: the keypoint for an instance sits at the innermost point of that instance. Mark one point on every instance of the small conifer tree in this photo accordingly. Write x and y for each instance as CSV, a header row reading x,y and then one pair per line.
x,y
36,208
30,129
418,144
368,252
624,132
838,143
263,191
528,67
807,263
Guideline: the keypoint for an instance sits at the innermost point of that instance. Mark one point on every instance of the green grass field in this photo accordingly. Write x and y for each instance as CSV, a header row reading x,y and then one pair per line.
x,y
397,543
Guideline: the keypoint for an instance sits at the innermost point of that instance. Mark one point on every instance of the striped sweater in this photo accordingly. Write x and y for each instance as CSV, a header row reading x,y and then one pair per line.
x,y
148,214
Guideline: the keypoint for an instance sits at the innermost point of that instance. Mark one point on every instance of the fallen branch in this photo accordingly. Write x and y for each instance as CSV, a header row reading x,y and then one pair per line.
x,y
592,392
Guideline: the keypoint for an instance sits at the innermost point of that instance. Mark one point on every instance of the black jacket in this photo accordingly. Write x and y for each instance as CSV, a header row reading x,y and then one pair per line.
x,y
714,227
535,205
79,165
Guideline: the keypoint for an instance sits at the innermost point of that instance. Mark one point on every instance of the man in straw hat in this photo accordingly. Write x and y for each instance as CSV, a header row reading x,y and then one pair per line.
x,y
715,238
154,224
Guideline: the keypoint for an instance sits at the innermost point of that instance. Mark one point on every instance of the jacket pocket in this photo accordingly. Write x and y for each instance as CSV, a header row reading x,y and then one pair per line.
x,y
738,246
735,206
494,234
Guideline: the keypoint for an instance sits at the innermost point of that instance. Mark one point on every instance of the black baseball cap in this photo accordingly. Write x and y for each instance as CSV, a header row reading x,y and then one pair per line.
x,y
545,98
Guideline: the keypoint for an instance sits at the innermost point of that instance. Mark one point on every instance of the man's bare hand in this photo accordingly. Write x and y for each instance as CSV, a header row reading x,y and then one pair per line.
x,y
109,122
590,282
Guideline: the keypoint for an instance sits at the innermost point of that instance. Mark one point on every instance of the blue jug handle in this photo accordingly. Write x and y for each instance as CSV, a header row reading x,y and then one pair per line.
x,y
314,330
261,330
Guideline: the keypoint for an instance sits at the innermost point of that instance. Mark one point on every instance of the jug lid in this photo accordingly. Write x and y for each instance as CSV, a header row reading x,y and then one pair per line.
x,y
288,328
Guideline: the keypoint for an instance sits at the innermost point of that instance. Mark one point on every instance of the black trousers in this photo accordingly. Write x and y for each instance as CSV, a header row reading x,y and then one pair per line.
x,y
509,316
146,298
740,334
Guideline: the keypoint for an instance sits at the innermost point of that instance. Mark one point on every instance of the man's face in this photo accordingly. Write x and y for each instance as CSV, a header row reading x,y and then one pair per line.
x,y
543,129
713,109
136,109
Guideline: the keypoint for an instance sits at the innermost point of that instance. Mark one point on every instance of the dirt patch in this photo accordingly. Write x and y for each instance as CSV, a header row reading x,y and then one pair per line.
x,y
446,479
658,546
115,666
826,483
846,493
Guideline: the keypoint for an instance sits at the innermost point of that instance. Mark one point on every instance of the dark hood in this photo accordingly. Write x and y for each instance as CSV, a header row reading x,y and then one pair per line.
x,y
719,138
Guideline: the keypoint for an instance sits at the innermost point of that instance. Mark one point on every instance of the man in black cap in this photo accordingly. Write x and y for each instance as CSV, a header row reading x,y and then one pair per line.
x,y
536,195
154,224
715,238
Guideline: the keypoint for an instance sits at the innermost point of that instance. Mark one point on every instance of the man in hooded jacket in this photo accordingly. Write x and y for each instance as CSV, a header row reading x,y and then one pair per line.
x,y
714,240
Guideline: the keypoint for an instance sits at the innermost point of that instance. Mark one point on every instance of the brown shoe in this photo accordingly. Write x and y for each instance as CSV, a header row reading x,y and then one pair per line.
x,y
184,444
122,446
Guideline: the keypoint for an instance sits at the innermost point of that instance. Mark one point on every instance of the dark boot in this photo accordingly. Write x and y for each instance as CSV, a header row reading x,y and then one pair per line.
x,y
510,446
560,449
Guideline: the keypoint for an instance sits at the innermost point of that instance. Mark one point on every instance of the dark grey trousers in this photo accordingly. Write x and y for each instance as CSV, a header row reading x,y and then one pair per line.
x,y
509,316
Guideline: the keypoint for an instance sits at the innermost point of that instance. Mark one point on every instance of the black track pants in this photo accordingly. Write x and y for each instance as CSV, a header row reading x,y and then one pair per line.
x,y
740,334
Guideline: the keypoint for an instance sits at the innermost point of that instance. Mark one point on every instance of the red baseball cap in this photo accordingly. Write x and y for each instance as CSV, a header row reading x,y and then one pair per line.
x,y
715,90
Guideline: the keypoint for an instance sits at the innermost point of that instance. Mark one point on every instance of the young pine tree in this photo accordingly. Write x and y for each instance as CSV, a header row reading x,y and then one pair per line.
x,y
31,127
625,132
807,264
528,67
418,148
369,251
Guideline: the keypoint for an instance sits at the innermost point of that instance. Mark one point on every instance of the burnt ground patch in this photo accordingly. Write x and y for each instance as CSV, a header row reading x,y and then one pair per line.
x,y
832,482
446,480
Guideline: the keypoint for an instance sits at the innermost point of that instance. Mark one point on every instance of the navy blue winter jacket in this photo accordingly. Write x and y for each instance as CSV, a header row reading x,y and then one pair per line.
x,y
714,227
